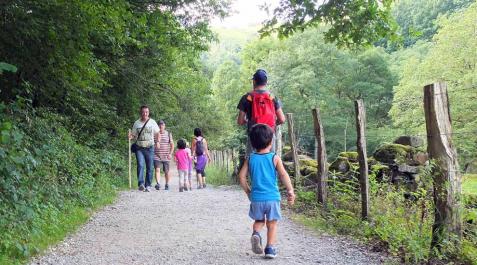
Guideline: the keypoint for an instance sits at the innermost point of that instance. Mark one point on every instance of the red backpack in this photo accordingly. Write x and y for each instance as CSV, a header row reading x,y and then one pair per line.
x,y
263,108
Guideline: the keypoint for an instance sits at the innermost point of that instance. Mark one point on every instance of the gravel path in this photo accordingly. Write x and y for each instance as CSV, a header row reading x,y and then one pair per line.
x,y
208,226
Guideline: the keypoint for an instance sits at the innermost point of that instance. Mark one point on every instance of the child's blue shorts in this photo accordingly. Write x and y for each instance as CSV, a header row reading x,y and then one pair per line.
x,y
265,211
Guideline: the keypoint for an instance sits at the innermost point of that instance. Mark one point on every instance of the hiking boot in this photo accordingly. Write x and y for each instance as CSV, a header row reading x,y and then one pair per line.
x,y
205,185
181,189
270,252
166,187
199,187
141,187
158,186
256,241
185,188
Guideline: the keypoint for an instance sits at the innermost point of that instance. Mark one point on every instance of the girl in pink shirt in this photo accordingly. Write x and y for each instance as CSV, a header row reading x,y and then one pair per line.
x,y
182,158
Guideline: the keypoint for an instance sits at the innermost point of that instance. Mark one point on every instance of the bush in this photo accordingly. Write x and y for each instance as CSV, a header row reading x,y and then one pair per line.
x,y
44,174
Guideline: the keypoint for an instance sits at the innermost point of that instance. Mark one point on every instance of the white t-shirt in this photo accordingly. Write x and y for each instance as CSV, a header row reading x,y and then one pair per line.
x,y
146,139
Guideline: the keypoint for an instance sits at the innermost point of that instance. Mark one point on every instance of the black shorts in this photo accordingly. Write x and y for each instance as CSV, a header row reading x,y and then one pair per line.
x,y
201,171
165,165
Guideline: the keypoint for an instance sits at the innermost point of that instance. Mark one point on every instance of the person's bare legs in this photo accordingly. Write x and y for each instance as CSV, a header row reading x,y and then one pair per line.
x,y
158,175
167,177
199,179
256,239
258,226
272,232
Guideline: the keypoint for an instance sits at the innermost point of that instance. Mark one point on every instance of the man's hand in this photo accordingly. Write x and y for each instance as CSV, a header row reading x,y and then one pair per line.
x,y
291,197
131,136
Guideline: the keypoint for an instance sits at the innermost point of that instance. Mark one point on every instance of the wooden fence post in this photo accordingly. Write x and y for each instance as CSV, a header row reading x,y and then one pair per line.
x,y
227,162
234,167
294,148
129,159
222,159
447,179
278,142
320,158
362,156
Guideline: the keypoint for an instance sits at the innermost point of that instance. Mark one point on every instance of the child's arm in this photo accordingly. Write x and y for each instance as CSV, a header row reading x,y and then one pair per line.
x,y
243,178
285,179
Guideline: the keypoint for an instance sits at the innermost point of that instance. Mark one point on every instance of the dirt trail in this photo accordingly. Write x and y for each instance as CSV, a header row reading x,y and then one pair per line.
x,y
208,226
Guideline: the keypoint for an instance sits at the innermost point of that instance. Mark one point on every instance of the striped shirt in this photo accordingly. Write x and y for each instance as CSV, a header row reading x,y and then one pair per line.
x,y
164,150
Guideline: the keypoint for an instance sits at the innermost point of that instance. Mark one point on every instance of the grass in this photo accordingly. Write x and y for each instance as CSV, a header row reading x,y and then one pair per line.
x,y
217,176
56,225
469,184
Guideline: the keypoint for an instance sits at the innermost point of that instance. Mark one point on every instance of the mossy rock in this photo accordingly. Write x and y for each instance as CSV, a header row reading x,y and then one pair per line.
x,y
393,153
288,156
341,164
312,177
289,167
309,162
306,170
413,141
352,156
286,148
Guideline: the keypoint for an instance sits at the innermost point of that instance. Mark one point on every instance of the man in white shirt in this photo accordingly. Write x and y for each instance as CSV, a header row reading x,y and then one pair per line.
x,y
144,131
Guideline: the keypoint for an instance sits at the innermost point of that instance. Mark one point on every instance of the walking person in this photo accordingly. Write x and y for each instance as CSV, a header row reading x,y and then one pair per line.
x,y
263,166
260,106
163,155
191,163
201,155
144,132
182,158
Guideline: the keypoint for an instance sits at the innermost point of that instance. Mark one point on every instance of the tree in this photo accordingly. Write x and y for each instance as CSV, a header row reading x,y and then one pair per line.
x,y
451,58
351,23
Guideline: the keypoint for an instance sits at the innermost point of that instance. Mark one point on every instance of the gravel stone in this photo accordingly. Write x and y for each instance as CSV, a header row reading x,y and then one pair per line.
x,y
207,226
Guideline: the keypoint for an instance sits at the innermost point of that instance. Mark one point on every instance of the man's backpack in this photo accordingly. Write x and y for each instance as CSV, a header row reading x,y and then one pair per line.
x,y
199,147
263,108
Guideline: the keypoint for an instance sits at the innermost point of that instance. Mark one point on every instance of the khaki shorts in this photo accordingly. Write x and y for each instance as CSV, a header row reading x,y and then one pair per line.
x,y
163,164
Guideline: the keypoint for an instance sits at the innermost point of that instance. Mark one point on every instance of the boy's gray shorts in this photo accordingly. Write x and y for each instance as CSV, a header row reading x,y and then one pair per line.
x,y
265,211
164,164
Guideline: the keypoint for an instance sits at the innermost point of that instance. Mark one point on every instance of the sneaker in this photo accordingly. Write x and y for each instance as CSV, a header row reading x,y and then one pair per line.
x,y
270,252
185,188
148,189
141,187
205,185
199,187
181,189
256,241
166,187
158,186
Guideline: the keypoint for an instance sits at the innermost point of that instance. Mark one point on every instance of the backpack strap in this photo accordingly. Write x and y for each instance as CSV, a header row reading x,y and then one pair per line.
x,y
252,93
139,134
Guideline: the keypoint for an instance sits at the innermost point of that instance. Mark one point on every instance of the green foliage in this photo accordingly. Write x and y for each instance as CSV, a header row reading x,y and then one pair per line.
x,y
451,58
469,184
46,173
217,176
352,23
7,67
416,19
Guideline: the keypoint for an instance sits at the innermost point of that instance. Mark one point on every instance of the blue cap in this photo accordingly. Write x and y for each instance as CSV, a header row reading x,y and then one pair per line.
x,y
260,76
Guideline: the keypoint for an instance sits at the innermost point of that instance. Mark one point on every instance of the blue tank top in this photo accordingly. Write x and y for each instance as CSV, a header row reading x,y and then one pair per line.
x,y
263,177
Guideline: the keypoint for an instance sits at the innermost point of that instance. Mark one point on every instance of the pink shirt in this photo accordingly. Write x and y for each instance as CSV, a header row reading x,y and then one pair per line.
x,y
182,159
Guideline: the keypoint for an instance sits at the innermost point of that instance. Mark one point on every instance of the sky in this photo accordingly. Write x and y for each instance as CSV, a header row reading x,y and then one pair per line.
x,y
246,13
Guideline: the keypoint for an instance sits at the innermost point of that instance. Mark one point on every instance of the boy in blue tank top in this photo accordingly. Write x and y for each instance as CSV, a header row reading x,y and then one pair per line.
x,y
263,166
